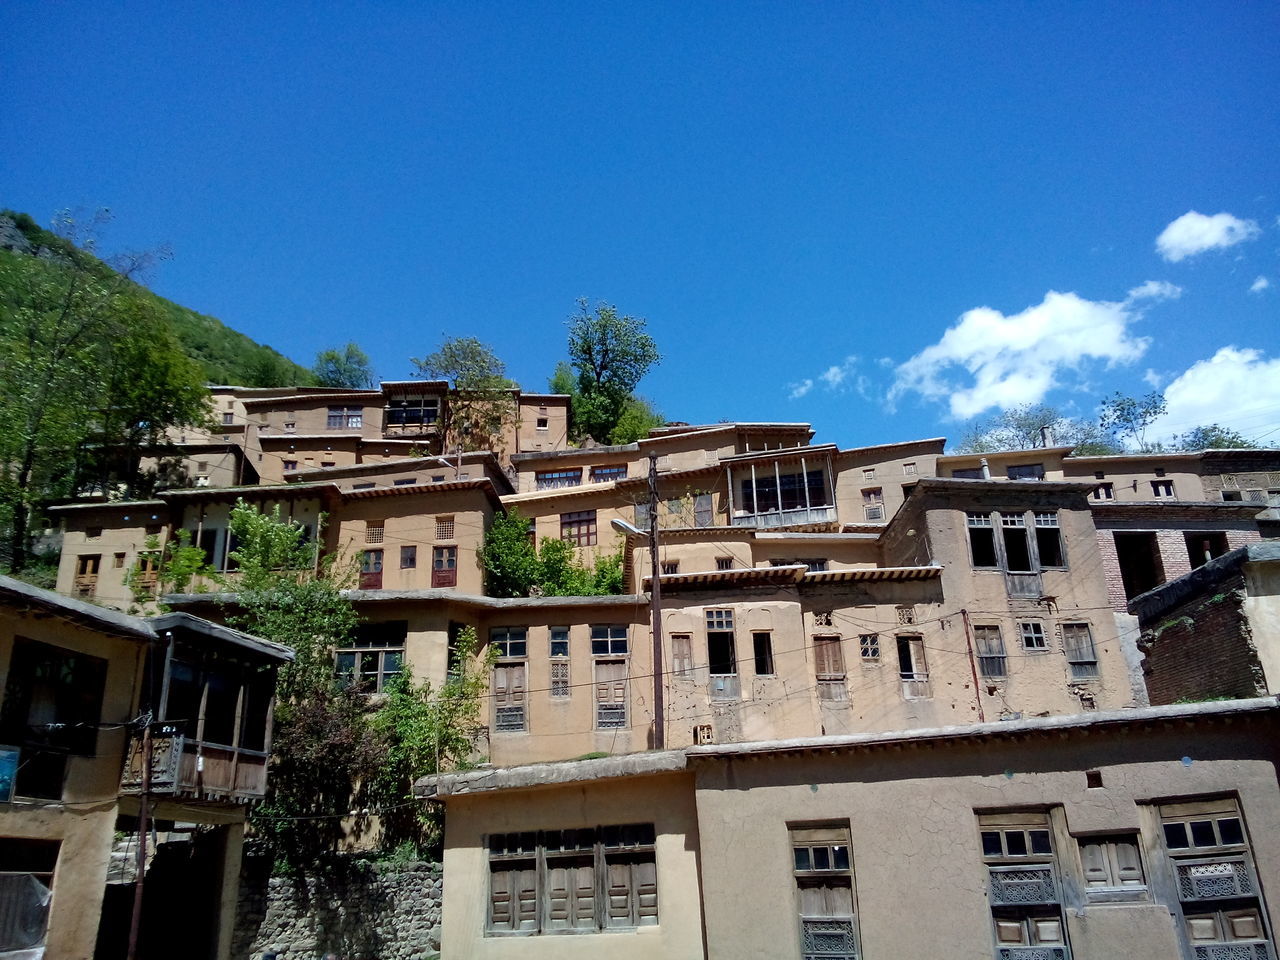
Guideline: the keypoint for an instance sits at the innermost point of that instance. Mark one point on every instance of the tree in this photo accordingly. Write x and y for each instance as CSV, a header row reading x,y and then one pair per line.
x,y
611,355
635,422
1018,428
1130,416
424,731
1211,437
89,375
513,567
481,406
348,368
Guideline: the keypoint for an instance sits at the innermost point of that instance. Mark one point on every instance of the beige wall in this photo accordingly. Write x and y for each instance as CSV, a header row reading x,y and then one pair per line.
x,y
890,470
532,408
1262,609
665,801
1131,477
125,532
411,520
917,864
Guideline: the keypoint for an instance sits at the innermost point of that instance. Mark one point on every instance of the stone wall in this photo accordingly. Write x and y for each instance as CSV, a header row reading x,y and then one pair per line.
x,y
352,909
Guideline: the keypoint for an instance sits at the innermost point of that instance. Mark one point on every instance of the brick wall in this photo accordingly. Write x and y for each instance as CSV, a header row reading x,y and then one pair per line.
x,y
1111,571
1202,649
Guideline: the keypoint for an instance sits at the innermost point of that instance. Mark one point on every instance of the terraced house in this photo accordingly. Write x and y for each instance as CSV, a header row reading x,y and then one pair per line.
x,y
793,615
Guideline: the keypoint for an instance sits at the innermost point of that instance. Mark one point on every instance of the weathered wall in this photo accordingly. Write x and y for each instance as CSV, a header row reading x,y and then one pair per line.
x,y
1203,649
356,910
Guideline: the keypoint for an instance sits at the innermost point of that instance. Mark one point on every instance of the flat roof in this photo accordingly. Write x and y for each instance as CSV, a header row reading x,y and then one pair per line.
x,y
495,779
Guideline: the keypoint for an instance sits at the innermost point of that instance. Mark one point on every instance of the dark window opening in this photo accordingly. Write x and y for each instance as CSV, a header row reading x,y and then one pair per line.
x,y
1049,545
1140,565
1203,547
982,540
1026,471
763,643
1016,549
720,653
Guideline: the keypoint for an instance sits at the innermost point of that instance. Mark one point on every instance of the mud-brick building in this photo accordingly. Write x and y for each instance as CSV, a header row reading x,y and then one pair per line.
x,y
78,681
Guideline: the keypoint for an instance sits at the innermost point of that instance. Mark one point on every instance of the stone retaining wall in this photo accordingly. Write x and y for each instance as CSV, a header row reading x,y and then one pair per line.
x,y
351,909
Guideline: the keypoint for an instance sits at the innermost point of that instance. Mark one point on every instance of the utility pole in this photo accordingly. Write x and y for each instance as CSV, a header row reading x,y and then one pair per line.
x,y
655,603
136,920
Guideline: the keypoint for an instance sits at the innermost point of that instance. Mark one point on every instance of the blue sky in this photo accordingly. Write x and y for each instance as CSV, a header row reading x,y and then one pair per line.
x,y
883,220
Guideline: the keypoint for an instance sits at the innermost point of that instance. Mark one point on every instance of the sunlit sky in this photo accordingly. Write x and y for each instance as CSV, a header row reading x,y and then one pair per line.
x,y
882,219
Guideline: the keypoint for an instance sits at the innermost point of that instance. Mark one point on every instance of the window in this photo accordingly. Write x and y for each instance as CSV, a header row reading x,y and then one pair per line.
x,y
991,656
967,473
823,618
906,614
868,473
611,694
1112,867
1159,471
909,469
87,574
542,423
1032,633
912,669
982,540
579,528
404,482
724,563
374,531
1025,471
52,708
609,640
413,411
328,463
702,510
823,873
670,567
509,641
762,643
1217,887
26,879
444,528
363,486
408,557
1162,489
828,664
604,474
590,879
1017,550
1022,884
370,568
509,695
228,418
559,641
290,425
554,479
682,655
1048,540
1203,547
344,418
815,564
1232,496
293,465
869,646
873,503
1104,491
374,655
560,678
117,561
722,662
789,491
1082,658
444,566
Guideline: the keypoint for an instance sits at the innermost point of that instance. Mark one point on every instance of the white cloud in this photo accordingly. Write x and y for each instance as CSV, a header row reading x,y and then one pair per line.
x,y
1152,379
1155,290
1236,387
1259,285
837,378
987,360
1194,233
798,390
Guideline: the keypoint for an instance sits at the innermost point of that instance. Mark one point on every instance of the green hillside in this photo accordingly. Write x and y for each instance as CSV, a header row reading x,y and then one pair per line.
x,y
226,355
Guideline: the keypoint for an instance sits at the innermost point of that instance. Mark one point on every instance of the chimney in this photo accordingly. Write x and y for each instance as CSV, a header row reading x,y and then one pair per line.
x,y
1046,436
986,469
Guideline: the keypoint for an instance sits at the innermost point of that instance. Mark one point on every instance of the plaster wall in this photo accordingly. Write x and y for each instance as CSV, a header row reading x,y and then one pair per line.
x,y
1131,478
665,801
920,883
1262,610
123,535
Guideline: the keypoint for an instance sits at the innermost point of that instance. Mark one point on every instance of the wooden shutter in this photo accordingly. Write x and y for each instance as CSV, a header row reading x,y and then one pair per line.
x,y
702,510
513,899
1128,864
828,657
619,895
570,895
681,655
1096,870
644,877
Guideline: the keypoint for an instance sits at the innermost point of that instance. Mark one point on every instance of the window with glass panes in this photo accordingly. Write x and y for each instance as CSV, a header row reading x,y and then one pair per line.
x,y
374,655
823,872
609,640
1023,888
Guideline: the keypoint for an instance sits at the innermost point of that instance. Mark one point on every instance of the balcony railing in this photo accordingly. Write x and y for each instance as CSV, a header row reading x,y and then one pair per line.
x,y
915,686
785,518
724,686
185,767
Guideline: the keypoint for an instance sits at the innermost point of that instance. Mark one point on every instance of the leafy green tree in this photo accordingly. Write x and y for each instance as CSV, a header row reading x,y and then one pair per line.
x,y
611,355
514,568
635,422
1018,428
348,368
1211,437
89,376
1129,417
481,406
424,731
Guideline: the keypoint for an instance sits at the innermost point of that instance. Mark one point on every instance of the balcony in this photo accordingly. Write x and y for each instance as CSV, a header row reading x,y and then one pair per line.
x,y
182,767
1031,884
786,518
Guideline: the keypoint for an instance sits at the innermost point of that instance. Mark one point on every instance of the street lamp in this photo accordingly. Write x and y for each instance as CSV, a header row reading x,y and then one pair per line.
x,y
655,598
